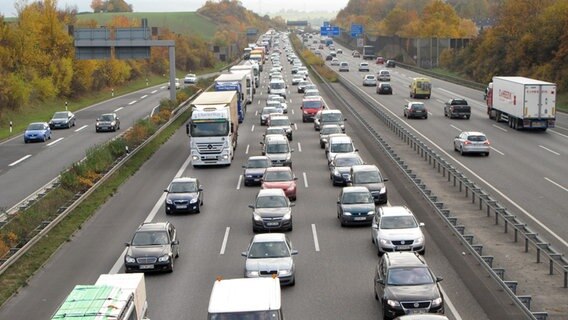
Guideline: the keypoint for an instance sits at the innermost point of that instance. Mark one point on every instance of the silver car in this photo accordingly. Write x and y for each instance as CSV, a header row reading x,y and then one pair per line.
x,y
396,229
272,210
271,254
326,130
369,80
472,142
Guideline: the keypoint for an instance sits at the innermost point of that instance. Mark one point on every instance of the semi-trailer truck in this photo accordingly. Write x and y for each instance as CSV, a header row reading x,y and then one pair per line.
x,y
368,53
247,69
523,103
113,296
213,128
235,82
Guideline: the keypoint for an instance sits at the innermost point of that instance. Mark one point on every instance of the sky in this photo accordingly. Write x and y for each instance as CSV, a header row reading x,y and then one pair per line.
x,y
263,6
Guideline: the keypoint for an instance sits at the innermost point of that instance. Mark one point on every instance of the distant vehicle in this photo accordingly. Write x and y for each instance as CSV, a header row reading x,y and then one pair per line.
x,y
326,130
457,108
368,52
343,66
403,278
265,113
329,116
364,66
277,149
177,84
370,177
339,51
280,99
302,84
329,57
190,78
420,87
281,178
340,167
310,107
311,93
62,119
37,131
396,229
184,195
296,79
380,60
338,145
384,75
281,121
334,62
369,80
415,110
355,54
153,247
472,142
271,211
255,168
384,88
355,206
107,122
277,86
390,64
271,254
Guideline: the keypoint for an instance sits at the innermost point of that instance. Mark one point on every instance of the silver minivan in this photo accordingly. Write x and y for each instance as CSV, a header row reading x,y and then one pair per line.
x,y
277,86
277,148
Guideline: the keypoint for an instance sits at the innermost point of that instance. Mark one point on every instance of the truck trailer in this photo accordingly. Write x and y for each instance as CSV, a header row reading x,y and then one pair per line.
x,y
368,53
234,82
113,296
248,70
523,103
213,128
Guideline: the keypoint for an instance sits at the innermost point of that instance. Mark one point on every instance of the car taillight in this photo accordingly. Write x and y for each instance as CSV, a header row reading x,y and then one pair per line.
x,y
486,142
467,142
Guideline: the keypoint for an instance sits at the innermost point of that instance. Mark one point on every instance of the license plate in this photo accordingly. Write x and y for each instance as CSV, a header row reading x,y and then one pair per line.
x,y
256,180
210,158
181,207
417,311
359,218
146,266
402,247
272,224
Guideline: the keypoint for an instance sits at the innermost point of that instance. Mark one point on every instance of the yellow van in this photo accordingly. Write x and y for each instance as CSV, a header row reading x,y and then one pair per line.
x,y
420,87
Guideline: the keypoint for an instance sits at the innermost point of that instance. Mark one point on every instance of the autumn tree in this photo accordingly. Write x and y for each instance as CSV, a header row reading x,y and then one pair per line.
x,y
111,6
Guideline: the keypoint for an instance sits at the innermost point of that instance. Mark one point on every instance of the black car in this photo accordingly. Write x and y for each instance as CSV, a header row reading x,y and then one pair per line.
x,y
405,285
340,166
390,63
62,119
107,122
329,57
254,169
153,247
184,195
384,88
355,206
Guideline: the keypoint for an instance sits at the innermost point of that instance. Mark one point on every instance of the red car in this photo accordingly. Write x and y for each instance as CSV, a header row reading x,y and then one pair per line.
x,y
280,178
311,106
380,60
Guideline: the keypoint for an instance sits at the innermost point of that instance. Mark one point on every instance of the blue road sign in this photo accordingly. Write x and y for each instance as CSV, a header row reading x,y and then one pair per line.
x,y
331,31
356,30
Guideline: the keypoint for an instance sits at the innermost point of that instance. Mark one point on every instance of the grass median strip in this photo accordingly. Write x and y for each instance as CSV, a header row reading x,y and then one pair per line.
x,y
18,274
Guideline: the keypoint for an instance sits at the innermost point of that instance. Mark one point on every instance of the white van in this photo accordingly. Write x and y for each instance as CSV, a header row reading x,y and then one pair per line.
x,y
277,86
252,298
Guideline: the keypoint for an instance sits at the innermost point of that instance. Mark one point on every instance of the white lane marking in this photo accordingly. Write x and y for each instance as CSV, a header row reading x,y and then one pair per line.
x,y
252,128
258,102
451,93
315,235
118,109
292,111
162,87
154,91
450,305
225,238
299,147
83,127
551,151
256,113
504,196
54,142
556,184
290,100
440,101
305,180
247,150
18,161
558,133
132,102
498,127
499,152
295,127
429,113
451,125
239,182
144,96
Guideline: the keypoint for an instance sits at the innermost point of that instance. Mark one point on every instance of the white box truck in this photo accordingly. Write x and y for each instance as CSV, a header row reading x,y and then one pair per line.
x,y
251,298
522,102
113,296
213,128
248,70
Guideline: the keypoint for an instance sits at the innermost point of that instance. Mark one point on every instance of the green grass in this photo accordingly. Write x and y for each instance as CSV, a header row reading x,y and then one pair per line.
x,y
18,274
178,22
562,102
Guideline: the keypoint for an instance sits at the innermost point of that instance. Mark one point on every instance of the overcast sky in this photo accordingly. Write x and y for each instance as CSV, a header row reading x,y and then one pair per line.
x,y
263,6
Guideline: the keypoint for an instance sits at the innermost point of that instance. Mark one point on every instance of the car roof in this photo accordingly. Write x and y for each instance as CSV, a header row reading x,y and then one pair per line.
x,y
271,192
153,226
395,211
259,158
340,139
365,167
331,111
184,179
266,237
404,259
347,155
330,125
355,189
474,133
276,138
279,169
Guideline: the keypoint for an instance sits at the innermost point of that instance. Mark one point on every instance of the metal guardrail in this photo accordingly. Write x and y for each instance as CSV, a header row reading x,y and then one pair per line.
x,y
45,228
556,260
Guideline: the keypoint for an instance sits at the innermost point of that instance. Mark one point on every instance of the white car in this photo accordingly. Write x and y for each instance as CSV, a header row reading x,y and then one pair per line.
x,y
343,66
364,66
190,78
369,80
279,99
334,62
297,78
396,229
384,75
177,84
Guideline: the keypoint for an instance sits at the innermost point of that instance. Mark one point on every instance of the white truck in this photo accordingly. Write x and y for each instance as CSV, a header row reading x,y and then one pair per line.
x,y
248,70
250,298
113,296
213,128
522,102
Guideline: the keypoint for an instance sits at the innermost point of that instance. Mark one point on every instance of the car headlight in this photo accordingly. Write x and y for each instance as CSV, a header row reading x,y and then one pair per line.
x,y
288,130
248,175
346,213
287,216
284,272
384,242
336,173
419,240
164,258
194,200
370,213
256,217
393,303
251,274
169,201
437,302
129,259
383,190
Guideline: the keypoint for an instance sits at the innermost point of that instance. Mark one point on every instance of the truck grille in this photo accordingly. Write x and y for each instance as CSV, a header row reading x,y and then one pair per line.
x,y
210,148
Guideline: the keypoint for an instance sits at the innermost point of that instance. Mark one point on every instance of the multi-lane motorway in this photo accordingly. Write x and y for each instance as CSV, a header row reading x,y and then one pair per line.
x,y
335,265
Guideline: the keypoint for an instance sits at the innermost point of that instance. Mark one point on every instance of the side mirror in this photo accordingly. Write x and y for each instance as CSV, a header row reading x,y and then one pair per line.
x,y
380,281
251,206
385,179
291,150
175,242
200,189
166,190
356,150
421,224
338,201
294,252
262,143
292,204
345,119
127,244
438,279
99,119
244,253
244,167
295,178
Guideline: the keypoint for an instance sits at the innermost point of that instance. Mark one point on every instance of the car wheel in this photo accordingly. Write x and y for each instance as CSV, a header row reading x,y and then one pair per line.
x,y
487,154
461,151
177,252
379,252
322,145
422,252
467,117
26,141
168,212
171,269
198,209
293,283
426,117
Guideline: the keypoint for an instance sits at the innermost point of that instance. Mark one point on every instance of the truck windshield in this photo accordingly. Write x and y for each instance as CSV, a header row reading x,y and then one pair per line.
x,y
209,128
253,315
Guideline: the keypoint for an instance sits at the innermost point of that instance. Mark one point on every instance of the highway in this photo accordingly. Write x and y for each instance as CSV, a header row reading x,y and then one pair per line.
x,y
24,168
335,265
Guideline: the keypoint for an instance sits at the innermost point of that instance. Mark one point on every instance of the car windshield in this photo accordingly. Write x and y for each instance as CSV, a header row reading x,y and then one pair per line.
x,y
276,249
150,238
269,110
276,98
35,126
357,197
409,276
312,104
277,85
476,138
310,86
331,117
107,117
341,147
330,130
274,176
277,148
347,162
398,222
385,86
370,77
60,115
271,202
258,163
418,107
275,131
367,177
190,75
273,103
183,187
279,122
